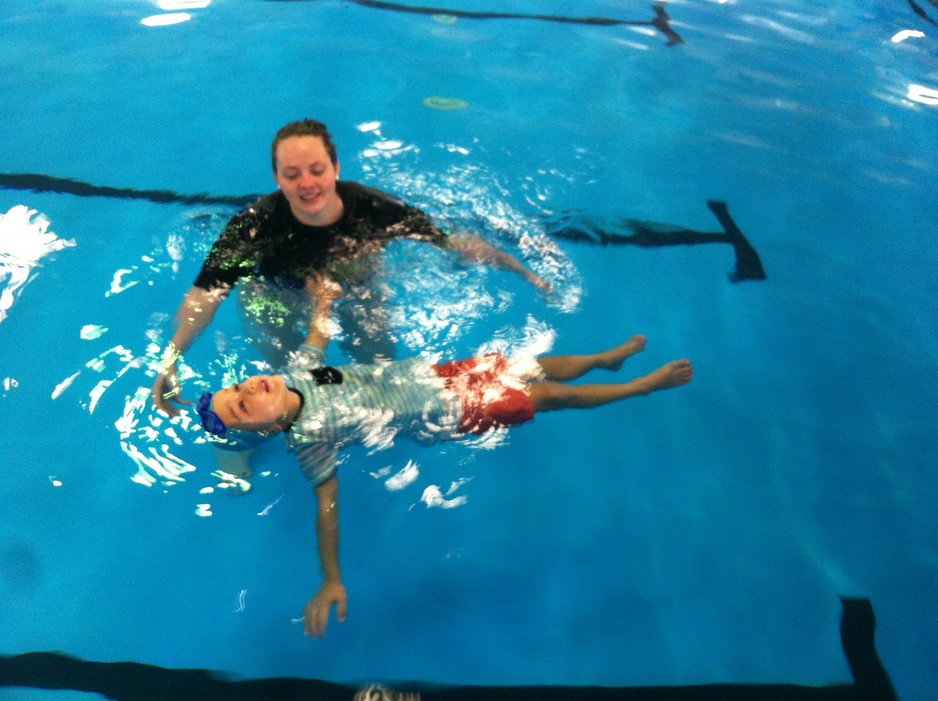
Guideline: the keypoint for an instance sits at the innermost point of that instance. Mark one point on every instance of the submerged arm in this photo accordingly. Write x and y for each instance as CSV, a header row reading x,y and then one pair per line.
x,y
193,316
332,591
479,250
323,291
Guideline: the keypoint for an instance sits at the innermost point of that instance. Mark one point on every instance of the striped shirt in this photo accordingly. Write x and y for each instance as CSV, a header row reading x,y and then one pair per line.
x,y
372,406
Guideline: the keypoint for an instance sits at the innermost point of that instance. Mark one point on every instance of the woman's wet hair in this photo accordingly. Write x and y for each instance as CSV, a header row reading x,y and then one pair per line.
x,y
304,127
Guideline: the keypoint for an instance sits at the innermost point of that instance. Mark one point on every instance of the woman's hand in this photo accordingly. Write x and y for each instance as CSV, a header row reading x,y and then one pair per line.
x,y
322,288
166,392
323,291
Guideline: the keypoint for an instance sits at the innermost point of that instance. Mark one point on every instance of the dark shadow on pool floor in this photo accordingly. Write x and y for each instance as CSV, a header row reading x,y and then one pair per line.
x,y
632,232
571,226
132,681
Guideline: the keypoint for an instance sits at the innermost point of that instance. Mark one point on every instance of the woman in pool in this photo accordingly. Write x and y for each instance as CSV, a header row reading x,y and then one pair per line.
x,y
320,409
313,223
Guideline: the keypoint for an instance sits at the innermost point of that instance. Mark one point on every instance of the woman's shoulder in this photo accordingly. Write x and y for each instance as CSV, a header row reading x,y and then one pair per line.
x,y
355,195
392,216
263,208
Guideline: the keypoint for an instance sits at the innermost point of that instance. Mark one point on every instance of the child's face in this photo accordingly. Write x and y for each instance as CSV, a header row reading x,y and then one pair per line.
x,y
259,404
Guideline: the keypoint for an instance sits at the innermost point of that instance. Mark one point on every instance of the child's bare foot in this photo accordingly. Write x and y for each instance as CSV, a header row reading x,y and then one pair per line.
x,y
673,374
613,358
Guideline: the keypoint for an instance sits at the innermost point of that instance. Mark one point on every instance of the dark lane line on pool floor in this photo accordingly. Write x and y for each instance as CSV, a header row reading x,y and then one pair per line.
x,y
661,21
569,226
134,681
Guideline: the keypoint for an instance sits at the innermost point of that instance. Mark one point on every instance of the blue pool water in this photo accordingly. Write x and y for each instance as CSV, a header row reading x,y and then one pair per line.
x,y
696,536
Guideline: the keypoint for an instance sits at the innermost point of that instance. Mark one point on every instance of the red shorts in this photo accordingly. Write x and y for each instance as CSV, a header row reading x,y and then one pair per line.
x,y
490,398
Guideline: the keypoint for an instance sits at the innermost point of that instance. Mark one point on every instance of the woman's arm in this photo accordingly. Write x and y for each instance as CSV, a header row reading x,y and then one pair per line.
x,y
323,291
479,250
193,316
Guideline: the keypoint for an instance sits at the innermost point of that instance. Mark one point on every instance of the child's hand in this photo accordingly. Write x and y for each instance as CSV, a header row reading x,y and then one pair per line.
x,y
316,613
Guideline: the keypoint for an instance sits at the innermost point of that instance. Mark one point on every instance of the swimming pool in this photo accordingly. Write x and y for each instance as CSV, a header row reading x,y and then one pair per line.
x,y
699,536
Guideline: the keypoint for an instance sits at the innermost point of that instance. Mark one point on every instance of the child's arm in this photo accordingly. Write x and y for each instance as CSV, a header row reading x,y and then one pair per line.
x,y
332,590
323,291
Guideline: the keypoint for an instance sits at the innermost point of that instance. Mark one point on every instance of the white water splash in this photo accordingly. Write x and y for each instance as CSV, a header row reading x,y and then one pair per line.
x,y
465,196
64,385
405,477
117,283
231,484
266,510
90,332
433,498
24,240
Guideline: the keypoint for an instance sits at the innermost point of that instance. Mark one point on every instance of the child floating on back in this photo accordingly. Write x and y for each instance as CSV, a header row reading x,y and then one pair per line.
x,y
320,409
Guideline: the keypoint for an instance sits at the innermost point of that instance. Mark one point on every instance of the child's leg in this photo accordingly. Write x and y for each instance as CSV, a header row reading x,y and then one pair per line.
x,y
550,396
570,367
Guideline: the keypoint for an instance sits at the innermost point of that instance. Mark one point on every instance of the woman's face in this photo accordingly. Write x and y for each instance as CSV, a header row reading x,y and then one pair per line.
x,y
306,176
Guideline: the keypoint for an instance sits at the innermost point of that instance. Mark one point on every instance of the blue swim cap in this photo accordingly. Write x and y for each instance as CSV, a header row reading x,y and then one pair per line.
x,y
222,436
210,420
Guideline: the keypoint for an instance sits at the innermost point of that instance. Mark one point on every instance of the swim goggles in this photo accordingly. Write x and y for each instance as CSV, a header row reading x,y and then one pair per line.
x,y
210,420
